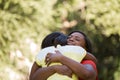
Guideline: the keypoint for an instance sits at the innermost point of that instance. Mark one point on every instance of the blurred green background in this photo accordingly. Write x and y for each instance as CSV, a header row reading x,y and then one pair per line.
x,y
24,24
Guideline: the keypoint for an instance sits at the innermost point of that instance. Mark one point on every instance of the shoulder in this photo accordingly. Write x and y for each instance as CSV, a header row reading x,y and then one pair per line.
x,y
90,62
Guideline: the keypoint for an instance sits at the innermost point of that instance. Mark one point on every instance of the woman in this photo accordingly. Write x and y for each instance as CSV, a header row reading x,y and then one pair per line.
x,y
39,73
86,70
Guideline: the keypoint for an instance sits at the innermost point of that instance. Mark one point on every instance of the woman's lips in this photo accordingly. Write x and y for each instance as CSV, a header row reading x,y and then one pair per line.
x,y
70,43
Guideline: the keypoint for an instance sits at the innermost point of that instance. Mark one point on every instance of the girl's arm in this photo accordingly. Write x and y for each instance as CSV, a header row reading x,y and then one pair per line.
x,y
39,73
90,56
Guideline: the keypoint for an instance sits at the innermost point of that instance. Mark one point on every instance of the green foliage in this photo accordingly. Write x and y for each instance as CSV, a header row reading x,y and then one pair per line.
x,y
105,16
24,23
20,20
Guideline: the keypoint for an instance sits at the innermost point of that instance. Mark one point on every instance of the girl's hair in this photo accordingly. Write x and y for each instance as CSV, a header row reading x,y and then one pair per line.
x,y
88,44
54,39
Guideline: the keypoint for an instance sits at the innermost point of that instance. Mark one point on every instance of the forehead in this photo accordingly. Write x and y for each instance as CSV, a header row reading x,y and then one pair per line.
x,y
77,34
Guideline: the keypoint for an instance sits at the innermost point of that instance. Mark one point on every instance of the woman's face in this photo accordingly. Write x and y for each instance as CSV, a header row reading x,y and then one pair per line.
x,y
77,39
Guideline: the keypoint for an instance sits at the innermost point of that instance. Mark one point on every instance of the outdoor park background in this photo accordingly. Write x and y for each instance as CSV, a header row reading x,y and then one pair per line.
x,y
24,23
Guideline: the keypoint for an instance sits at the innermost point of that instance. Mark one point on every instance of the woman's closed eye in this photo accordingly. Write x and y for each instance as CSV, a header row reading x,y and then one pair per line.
x,y
77,39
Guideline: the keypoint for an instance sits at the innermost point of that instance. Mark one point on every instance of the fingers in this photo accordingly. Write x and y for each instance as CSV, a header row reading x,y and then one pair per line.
x,y
47,59
48,63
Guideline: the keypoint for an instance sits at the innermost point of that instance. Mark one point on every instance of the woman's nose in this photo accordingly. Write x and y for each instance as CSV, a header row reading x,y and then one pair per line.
x,y
71,38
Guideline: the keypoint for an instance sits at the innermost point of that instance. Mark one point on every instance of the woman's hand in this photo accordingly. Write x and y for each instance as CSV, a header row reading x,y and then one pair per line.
x,y
53,57
62,69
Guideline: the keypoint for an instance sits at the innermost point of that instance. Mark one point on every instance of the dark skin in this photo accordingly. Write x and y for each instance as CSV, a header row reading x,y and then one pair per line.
x,y
85,71
36,70
69,66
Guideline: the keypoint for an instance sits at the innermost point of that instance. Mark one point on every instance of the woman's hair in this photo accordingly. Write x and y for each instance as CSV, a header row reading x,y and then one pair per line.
x,y
88,44
54,39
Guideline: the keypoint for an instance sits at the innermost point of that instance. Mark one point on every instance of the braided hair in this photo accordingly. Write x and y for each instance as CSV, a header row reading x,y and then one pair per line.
x,y
54,39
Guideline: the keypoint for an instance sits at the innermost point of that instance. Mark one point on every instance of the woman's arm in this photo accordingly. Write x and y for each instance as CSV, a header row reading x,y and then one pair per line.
x,y
86,71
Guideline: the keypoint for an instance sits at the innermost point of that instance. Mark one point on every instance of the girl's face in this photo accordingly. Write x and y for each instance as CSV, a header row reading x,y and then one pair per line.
x,y
76,39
